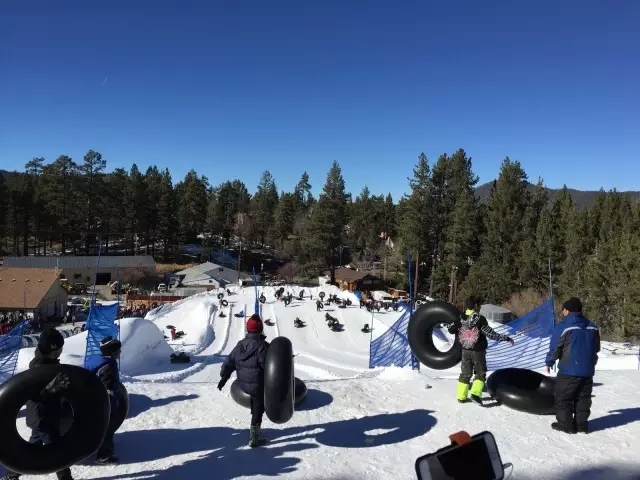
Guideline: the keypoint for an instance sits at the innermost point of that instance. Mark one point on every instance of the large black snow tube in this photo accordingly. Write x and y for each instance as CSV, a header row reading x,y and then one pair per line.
x,y
120,414
279,381
420,333
523,390
321,295
90,405
220,296
224,303
244,400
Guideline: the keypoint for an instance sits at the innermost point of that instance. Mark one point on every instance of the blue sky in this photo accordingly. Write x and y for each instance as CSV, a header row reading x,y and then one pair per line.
x,y
231,88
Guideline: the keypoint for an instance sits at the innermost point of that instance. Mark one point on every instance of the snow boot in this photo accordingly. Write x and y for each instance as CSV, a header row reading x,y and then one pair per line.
x,y
557,426
255,439
476,391
463,392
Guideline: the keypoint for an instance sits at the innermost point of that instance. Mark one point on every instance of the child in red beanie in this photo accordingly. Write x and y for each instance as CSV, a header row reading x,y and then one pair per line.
x,y
247,359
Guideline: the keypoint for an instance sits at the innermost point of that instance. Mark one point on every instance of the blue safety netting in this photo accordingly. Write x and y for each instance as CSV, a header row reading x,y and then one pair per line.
x,y
101,323
392,347
532,334
10,345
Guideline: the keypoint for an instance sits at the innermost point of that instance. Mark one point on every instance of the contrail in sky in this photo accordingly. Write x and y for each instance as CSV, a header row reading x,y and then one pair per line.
x,y
104,81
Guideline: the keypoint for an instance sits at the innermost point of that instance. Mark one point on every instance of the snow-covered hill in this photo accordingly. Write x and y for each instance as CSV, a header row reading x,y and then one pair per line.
x,y
356,423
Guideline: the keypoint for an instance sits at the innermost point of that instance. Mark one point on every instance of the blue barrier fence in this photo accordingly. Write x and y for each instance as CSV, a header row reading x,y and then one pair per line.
x,y
101,323
392,347
532,334
10,345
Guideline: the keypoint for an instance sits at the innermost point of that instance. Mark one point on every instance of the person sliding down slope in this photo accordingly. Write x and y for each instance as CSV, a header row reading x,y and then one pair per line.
x,y
247,359
472,331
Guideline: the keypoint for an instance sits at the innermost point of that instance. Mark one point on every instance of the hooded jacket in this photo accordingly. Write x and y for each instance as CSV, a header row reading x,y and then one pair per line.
x,y
247,359
45,412
575,343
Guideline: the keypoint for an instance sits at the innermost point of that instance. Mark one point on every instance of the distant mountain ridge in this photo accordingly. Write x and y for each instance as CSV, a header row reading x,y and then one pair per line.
x,y
582,198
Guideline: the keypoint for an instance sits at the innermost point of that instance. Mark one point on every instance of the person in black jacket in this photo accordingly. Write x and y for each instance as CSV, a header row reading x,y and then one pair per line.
x,y
105,366
45,412
247,359
472,331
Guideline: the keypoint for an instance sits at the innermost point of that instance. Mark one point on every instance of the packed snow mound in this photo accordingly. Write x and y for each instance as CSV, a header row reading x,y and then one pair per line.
x,y
143,347
193,316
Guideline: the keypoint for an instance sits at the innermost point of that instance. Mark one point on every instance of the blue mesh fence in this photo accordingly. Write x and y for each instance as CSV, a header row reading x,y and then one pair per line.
x,y
10,345
532,334
101,323
392,347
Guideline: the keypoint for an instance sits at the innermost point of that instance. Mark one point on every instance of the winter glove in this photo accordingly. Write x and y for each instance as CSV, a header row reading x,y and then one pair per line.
x,y
222,383
60,383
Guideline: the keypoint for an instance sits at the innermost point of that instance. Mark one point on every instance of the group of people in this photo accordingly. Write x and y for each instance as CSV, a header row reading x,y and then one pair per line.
x,y
574,345
45,412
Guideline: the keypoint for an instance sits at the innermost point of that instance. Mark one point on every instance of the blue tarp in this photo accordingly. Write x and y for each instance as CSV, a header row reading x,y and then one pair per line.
x,y
10,345
101,323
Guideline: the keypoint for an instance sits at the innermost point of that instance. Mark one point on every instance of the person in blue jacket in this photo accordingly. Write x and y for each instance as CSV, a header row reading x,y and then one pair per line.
x,y
575,345
105,366
247,359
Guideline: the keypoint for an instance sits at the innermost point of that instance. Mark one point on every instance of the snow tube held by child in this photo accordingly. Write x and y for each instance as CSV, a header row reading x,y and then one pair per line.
x,y
279,381
420,332
287,301
244,400
90,405
263,299
119,416
224,303
523,390
220,296
321,295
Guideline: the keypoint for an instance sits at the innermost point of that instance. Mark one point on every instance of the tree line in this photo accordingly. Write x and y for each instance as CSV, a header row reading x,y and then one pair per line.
x,y
512,243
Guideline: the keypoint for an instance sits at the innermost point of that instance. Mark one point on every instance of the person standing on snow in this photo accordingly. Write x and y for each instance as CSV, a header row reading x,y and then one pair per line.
x,y
575,344
472,331
247,359
44,413
105,366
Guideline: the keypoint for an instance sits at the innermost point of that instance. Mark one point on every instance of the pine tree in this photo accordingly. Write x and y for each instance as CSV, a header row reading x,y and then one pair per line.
x,y
494,276
324,233
265,203
414,212
91,191
60,193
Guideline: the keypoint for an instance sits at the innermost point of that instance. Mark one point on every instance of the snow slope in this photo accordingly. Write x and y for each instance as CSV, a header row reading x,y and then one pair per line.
x,y
356,423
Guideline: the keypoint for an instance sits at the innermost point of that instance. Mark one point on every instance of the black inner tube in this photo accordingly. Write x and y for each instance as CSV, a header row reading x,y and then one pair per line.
x,y
420,335
224,303
90,406
523,390
279,383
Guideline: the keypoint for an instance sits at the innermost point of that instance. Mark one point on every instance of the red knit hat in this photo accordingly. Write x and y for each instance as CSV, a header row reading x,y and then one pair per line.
x,y
254,324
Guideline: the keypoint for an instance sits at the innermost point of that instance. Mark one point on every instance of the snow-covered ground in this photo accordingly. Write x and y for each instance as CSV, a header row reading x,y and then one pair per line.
x,y
356,423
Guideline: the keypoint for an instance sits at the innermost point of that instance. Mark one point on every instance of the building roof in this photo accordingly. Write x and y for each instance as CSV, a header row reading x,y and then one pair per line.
x,y
207,271
25,287
348,275
64,262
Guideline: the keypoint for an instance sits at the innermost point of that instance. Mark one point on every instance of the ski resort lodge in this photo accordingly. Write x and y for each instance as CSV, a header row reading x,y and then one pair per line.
x,y
36,291
83,269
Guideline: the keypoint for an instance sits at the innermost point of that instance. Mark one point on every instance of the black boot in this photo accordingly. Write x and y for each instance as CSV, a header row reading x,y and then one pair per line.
x,y
254,437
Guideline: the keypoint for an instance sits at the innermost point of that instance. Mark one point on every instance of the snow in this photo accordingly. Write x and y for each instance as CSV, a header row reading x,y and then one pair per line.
x,y
356,422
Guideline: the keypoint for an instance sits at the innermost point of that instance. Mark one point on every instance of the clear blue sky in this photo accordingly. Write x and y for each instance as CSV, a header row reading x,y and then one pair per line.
x,y
231,88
